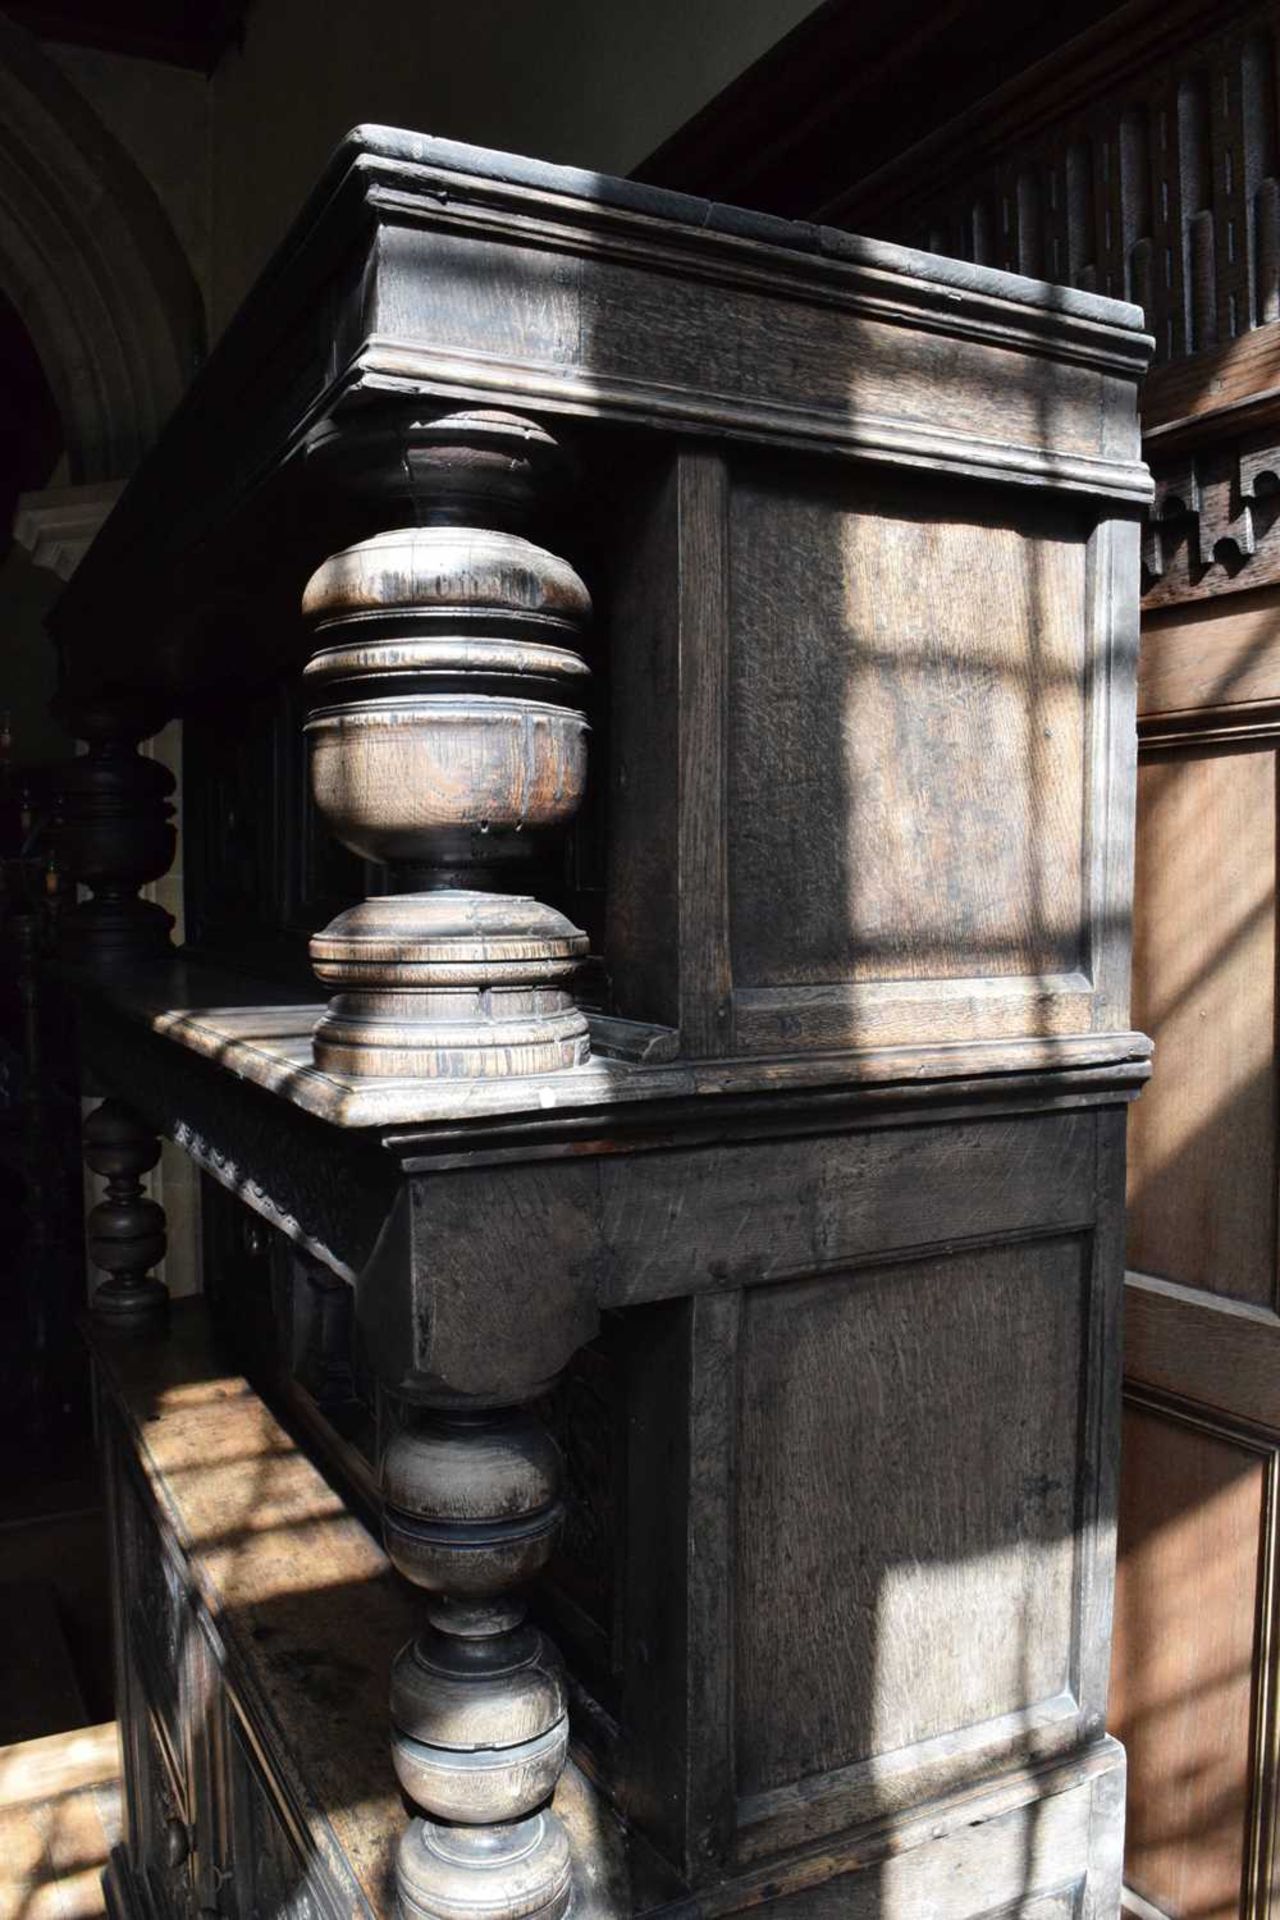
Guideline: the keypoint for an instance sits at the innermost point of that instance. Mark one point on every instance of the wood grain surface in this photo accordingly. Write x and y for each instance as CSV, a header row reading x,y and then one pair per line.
x,y
1202,1148
906,759
1200,662
1191,1535
926,1585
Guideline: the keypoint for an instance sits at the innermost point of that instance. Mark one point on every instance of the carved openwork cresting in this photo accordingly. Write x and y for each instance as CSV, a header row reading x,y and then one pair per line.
x,y
446,741
479,1722
1212,527
126,1228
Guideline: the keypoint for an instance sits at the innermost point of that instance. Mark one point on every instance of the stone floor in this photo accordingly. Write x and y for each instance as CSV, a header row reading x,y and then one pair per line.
x,y
59,1818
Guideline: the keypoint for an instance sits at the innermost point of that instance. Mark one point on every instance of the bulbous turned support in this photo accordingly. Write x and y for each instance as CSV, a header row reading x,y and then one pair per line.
x,y
480,1728
446,741
114,832
126,1228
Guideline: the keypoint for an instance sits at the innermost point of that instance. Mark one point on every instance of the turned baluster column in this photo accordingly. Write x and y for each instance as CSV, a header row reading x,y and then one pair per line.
x,y
479,1721
114,832
446,741
126,1228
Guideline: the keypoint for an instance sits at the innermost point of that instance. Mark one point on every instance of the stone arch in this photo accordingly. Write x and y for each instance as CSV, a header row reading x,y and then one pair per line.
x,y
92,266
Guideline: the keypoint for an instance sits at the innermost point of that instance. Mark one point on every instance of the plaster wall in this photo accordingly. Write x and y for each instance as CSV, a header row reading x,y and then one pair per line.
x,y
594,83
161,117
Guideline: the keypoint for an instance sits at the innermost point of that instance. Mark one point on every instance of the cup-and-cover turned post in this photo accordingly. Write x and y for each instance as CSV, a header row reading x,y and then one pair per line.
x,y
446,741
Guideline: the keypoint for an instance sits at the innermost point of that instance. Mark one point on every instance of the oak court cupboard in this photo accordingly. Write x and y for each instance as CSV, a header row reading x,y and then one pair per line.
x,y
662,1258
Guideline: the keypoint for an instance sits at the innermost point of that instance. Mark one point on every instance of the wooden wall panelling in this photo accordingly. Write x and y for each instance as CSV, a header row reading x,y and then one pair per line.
x,y
1210,671
1153,174
1141,160
1203,1149
1195,1653
1213,523
1196,1649
1214,1351
1216,393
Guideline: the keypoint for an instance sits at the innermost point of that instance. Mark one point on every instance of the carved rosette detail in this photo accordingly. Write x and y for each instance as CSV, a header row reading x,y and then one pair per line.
x,y
480,1728
114,833
126,1228
446,741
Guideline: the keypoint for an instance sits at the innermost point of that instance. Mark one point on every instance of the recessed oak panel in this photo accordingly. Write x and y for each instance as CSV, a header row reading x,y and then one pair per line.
x,y
907,726
907,1504
1222,653
1191,1512
1202,1156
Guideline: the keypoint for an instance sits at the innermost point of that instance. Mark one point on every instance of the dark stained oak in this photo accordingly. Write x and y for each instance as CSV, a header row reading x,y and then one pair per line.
x,y
443,743
1133,150
687,1212
126,1229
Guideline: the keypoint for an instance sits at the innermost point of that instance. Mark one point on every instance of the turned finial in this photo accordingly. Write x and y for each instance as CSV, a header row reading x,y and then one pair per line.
x,y
114,831
126,1228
